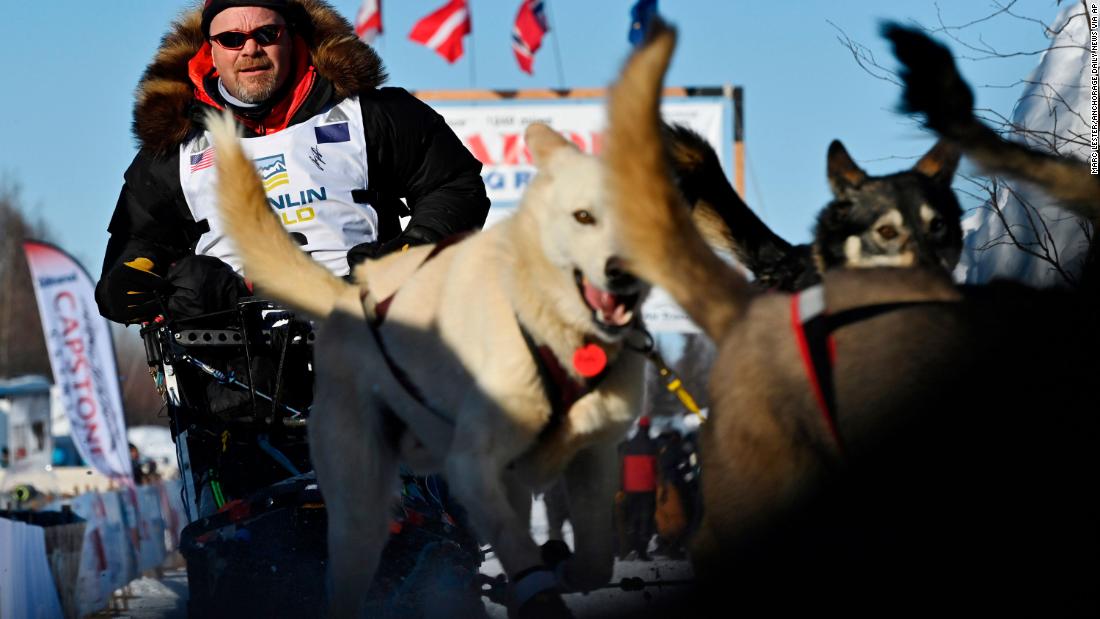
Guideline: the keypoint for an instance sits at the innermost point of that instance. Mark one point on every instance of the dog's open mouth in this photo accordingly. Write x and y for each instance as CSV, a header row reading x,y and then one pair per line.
x,y
612,312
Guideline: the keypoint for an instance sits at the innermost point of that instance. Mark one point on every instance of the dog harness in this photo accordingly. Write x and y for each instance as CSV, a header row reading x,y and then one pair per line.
x,y
813,328
561,389
812,331
380,310
314,174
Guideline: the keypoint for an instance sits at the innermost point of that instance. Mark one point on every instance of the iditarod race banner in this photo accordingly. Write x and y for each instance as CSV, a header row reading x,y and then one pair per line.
x,y
494,134
83,358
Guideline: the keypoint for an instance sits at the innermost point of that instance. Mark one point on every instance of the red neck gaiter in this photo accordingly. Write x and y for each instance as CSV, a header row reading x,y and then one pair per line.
x,y
202,66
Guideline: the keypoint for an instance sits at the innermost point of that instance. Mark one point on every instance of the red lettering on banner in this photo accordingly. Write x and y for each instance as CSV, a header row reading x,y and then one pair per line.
x,y
70,325
92,438
478,149
76,348
86,404
577,139
87,410
66,296
515,151
597,142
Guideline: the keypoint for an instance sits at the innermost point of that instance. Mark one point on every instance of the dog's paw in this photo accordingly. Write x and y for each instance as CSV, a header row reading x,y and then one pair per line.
x,y
536,594
554,552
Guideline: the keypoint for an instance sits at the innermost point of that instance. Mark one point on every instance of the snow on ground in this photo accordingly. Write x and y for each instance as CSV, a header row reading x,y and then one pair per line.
x,y
167,598
604,602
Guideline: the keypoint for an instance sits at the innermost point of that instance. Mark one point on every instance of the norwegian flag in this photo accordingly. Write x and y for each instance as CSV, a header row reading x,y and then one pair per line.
x,y
528,32
368,21
443,30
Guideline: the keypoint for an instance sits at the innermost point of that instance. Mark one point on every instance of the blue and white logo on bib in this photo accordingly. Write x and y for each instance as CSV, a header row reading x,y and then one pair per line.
x,y
272,171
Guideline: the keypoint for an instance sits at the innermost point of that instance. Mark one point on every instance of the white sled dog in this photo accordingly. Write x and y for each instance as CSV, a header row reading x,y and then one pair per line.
x,y
457,376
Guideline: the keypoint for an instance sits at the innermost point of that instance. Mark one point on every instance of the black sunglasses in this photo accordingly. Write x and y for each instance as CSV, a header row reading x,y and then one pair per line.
x,y
235,39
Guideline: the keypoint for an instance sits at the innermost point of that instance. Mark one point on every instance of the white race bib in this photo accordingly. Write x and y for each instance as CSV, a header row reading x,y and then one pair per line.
x,y
309,171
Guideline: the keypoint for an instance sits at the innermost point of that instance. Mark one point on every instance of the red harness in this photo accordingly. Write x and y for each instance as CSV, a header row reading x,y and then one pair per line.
x,y
813,328
813,332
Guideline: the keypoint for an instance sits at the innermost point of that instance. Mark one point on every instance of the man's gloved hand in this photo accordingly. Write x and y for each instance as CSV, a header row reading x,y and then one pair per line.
x,y
133,289
411,237
201,285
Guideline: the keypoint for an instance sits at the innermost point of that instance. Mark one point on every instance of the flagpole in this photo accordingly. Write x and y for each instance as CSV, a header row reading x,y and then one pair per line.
x,y
557,51
473,48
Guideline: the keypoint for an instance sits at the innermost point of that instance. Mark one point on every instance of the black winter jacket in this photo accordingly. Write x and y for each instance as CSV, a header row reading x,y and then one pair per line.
x,y
412,153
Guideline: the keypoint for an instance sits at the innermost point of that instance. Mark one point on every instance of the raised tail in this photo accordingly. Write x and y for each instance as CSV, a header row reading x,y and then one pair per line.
x,y
662,245
934,88
270,258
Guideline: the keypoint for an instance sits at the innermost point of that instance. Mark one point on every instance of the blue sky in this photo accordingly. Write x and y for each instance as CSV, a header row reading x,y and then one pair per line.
x,y
72,68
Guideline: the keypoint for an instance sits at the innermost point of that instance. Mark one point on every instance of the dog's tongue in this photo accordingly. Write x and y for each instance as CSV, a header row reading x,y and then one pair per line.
x,y
611,310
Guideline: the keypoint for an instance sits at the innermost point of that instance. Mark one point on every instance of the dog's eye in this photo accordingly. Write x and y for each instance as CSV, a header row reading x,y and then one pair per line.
x,y
936,224
887,232
584,218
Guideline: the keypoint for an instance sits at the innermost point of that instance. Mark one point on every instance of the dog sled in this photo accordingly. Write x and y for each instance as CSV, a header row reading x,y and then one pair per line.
x,y
238,386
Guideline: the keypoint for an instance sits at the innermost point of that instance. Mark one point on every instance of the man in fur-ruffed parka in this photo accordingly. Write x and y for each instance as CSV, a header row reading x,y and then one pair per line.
x,y
337,154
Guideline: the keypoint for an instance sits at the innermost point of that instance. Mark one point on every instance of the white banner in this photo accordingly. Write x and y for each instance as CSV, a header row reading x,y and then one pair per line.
x,y
83,358
27,588
494,134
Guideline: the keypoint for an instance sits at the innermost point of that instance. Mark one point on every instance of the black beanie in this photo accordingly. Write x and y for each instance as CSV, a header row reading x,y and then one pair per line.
x,y
213,7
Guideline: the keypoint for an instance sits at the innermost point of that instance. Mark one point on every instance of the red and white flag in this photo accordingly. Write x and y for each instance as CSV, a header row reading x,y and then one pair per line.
x,y
368,21
528,32
443,30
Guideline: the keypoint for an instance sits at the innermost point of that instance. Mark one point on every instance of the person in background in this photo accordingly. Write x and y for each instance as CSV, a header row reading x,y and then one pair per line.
x,y
673,513
136,465
639,485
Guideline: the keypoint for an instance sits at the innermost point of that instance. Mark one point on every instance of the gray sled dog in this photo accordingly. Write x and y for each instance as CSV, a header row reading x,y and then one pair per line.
x,y
499,362
884,441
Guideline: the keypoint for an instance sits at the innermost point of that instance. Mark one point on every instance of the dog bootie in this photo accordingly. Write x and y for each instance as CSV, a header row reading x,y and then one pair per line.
x,y
536,594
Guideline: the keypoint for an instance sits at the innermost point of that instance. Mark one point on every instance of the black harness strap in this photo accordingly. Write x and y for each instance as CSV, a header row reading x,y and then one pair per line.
x,y
383,306
380,310
561,390
814,327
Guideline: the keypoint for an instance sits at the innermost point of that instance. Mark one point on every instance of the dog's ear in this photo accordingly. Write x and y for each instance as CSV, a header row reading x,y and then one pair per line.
x,y
843,173
543,142
939,163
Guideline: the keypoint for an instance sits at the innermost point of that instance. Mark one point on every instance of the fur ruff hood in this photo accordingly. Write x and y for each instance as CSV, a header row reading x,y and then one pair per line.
x,y
165,93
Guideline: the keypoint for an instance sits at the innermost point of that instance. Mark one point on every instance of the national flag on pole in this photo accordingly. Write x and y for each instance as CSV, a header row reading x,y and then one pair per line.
x,y
640,14
528,32
83,358
443,30
368,21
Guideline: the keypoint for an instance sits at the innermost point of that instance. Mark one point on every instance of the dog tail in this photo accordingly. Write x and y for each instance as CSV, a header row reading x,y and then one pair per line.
x,y
662,244
934,88
270,258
